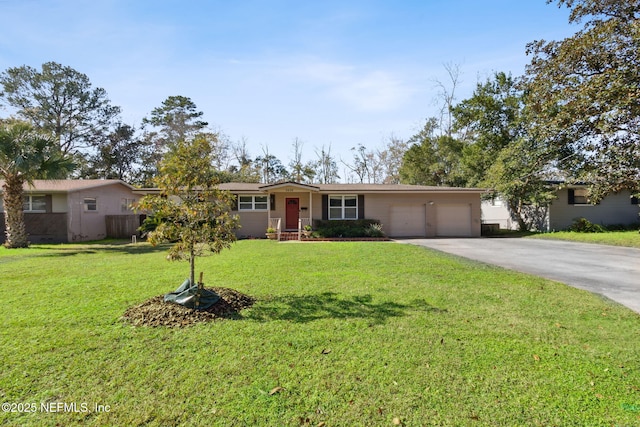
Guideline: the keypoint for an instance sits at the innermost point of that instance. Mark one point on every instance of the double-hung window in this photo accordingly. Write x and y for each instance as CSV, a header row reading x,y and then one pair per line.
x,y
253,203
343,207
34,203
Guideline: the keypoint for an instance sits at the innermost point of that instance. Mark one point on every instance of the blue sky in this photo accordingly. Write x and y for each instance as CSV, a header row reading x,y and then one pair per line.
x,y
326,72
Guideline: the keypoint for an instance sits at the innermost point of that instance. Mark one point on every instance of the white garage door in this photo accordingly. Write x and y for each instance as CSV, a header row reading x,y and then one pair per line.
x,y
453,220
407,221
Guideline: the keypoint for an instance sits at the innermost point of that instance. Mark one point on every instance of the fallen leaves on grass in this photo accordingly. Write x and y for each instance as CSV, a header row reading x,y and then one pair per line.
x,y
157,312
276,390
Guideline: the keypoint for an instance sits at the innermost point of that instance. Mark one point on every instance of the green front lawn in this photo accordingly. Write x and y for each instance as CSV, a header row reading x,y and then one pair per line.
x,y
615,238
345,334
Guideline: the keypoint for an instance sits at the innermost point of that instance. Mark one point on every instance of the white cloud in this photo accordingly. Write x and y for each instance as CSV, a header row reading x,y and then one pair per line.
x,y
362,90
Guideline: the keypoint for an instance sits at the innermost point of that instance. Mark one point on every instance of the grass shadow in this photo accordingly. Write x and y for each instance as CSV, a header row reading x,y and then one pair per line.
x,y
329,305
110,246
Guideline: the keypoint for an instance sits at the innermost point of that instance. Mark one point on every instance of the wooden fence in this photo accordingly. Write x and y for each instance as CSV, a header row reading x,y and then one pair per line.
x,y
122,226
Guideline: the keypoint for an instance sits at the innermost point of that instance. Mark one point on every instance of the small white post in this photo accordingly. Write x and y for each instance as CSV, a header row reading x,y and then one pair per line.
x,y
134,239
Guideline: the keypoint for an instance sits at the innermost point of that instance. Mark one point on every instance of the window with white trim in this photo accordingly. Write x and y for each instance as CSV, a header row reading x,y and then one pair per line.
x,y
343,207
90,204
253,203
34,203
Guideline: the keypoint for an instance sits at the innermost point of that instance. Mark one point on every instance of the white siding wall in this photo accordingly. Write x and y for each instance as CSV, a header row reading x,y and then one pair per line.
x,y
492,214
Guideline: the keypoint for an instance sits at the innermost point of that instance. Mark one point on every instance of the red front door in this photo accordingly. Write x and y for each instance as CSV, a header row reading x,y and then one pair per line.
x,y
292,214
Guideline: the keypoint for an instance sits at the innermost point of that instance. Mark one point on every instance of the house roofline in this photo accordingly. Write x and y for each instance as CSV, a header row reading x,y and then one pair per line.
x,y
66,186
71,186
302,186
247,188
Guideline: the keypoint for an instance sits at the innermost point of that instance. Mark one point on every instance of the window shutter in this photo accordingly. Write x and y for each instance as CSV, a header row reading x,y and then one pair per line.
x,y
272,201
49,203
360,206
234,204
572,198
325,207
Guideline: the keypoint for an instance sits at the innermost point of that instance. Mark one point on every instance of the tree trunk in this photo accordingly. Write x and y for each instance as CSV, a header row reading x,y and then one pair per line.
x,y
515,208
14,216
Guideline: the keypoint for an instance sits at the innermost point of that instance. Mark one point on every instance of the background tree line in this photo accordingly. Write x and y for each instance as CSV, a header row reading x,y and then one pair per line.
x,y
574,115
61,101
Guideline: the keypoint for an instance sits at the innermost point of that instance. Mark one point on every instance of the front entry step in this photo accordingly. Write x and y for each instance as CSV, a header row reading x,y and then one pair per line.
x,y
288,235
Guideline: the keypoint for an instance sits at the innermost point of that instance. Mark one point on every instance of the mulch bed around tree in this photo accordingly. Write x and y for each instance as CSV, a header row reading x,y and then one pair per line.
x,y
157,312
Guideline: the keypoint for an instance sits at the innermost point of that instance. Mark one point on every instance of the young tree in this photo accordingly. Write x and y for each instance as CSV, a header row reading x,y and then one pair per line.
x,y
26,154
584,92
191,210
61,101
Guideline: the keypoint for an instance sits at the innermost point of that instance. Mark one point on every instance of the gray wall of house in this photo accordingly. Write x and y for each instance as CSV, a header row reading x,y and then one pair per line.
x,y
614,209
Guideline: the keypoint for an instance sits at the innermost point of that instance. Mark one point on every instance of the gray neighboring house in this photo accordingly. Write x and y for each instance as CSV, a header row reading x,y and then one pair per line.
x,y
403,210
58,211
571,203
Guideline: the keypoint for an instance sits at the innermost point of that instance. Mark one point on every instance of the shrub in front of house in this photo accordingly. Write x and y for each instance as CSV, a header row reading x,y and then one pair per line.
x,y
622,227
583,225
348,228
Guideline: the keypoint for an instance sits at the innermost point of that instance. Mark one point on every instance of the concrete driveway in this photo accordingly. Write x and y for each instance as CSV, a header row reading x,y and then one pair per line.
x,y
607,270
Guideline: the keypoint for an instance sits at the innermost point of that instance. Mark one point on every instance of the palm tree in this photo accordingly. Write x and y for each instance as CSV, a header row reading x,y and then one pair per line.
x,y
25,155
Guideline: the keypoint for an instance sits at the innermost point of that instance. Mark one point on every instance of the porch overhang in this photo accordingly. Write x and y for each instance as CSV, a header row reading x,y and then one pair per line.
x,y
288,185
